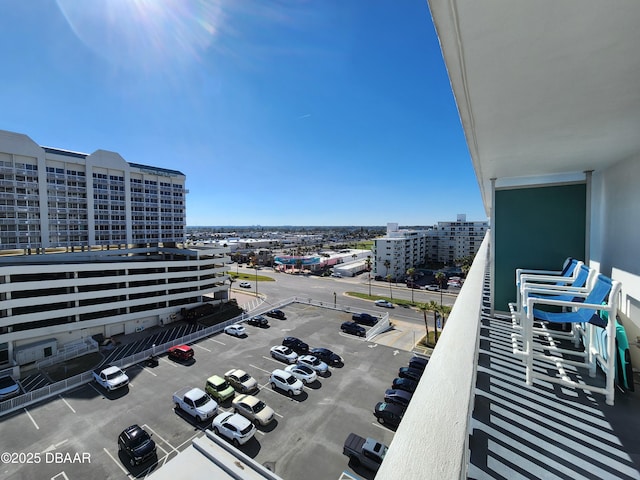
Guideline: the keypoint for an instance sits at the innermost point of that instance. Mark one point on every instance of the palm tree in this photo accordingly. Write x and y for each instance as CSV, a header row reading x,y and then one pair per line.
x,y
410,273
390,292
367,262
424,308
434,307
387,264
440,278
445,310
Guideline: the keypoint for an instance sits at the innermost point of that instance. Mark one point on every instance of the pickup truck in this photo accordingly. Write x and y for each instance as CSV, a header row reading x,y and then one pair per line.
x,y
364,451
111,378
196,403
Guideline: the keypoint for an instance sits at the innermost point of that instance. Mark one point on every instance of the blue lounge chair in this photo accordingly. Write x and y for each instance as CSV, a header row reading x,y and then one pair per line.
x,y
601,297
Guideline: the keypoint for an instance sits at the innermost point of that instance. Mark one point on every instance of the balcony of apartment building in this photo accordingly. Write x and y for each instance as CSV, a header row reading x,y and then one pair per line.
x,y
549,101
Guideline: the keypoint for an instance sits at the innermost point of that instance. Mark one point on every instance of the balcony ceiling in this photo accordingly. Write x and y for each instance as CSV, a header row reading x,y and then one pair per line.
x,y
543,87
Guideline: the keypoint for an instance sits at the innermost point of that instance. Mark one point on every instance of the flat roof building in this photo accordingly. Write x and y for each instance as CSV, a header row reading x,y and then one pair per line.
x,y
92,244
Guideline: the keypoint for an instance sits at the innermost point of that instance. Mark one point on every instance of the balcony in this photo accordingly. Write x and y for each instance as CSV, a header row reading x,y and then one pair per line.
x,y
473,416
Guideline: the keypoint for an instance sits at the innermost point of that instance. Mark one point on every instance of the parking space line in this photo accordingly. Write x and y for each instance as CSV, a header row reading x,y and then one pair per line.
x,y
34,422
199,346
261,369
149,371
200,430
170,363
147,427
278,393
217,341
67,403
273,360
99,392
117,463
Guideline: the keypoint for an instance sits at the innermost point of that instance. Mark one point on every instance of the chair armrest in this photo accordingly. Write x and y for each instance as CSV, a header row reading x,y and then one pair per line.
x,y
563,303
553,289
525,271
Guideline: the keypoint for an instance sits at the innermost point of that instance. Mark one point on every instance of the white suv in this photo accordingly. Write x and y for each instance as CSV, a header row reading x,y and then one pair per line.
x,y
286,382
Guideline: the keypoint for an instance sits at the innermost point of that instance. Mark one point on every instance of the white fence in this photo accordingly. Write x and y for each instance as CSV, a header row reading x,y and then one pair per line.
x,y
49,391
89,346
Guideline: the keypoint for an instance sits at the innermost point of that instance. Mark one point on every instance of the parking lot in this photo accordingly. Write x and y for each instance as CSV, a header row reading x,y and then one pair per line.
x,y
74,435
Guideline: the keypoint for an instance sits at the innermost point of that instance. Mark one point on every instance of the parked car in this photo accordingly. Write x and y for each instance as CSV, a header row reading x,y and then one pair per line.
x,y
297,345
314,363
388,413
364,451
253,409
419,363
235,427
235,330
327,356
352,328
383,303
8,387
241,381
286,381
181,353
404,384
432,288
258,321
110,377
364,319
196,403
244,285
302,372
410,373
397,396
219,388
136,443
276,314
284,354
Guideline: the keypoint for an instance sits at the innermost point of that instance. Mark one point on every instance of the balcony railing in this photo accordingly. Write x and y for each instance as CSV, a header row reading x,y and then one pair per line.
x,y
432,439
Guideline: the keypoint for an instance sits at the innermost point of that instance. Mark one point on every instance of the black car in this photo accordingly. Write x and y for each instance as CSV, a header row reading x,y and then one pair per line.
x,y
276,314
353,328
136,444
258,321
419,363
398,397
410,373
388,413
296,345
404,384
327,356
364,319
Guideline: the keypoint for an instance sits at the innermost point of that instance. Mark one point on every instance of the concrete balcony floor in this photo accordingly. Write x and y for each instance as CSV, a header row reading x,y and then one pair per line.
x,y
545,431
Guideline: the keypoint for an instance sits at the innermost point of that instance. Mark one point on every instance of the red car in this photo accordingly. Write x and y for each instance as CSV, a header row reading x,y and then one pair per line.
x,y
181,352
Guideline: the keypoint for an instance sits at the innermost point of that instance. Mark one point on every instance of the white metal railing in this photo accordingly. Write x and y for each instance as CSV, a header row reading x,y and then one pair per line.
x,y
432,439
48,391
90,345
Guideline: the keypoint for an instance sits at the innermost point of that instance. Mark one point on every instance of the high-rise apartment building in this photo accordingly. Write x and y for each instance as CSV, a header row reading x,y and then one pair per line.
x,y
449,241
92,244
402,249
59,198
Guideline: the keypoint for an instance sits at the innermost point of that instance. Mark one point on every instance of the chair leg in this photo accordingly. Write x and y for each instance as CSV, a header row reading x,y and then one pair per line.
x,y
527,338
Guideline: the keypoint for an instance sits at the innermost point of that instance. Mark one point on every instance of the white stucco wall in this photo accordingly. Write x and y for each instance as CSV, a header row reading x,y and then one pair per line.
x,y
615,237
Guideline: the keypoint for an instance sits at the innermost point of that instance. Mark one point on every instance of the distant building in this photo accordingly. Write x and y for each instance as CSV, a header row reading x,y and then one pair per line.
x,y
448,241
400,249
92,245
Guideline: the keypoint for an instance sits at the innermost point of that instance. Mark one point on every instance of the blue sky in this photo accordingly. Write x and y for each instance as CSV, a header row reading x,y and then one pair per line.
x,y
283,112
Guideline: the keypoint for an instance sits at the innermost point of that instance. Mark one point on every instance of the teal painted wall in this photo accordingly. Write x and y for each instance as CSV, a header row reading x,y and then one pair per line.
x,y
537,227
